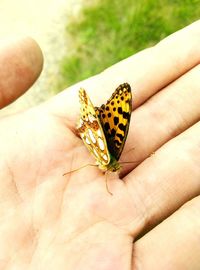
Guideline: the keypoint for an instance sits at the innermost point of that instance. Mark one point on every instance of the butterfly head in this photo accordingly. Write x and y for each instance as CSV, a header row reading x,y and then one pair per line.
x,y
112,166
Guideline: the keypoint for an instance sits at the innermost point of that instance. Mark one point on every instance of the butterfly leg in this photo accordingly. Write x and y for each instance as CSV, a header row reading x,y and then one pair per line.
x,y
107,188
75,170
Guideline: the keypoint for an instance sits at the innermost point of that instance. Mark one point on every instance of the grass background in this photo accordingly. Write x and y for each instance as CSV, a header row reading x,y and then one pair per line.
x,y
112,30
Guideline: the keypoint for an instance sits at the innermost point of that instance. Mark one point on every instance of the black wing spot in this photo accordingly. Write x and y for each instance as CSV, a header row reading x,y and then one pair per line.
x,y
117,143
120,110
120,136
126,115
116,120
107,108
107,126
109,114
122,127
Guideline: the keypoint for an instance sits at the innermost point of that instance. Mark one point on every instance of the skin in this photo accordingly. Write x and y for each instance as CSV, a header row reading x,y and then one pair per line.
x,y
152,220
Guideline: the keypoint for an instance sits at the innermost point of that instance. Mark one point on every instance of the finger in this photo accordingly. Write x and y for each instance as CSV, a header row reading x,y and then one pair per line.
x,y
164,116
166,180
147,72
20,64
174,244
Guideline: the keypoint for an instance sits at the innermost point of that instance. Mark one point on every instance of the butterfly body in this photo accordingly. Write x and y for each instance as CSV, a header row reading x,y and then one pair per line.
x,y
113,165
104,130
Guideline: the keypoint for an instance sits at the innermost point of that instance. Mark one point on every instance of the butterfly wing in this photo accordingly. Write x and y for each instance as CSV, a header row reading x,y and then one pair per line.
x,y
91,132
115,119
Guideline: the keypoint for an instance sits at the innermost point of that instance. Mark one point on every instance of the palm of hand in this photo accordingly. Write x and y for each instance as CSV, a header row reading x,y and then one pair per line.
x,y
61,215
51,221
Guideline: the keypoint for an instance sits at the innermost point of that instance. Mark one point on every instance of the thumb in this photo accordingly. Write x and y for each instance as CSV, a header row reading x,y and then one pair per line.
x,y
21,62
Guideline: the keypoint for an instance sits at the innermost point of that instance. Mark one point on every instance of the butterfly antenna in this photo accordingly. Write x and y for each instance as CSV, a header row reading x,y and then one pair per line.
x,y
75,170
136,161
133,148
129,162
107,188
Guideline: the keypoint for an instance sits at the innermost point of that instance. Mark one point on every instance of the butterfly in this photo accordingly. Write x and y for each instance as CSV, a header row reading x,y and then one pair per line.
x,y
104,130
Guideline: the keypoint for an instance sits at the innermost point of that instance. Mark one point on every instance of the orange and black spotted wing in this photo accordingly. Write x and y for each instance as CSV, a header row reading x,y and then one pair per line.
x,y
115,118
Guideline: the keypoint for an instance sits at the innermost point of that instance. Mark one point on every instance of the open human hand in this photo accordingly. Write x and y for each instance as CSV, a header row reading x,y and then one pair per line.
x,y
50,221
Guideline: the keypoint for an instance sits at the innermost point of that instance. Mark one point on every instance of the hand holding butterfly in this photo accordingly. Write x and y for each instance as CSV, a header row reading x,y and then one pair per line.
x,y
50,221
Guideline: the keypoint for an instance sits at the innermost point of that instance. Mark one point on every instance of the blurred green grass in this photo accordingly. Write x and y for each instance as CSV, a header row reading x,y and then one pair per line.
x,y
112,30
